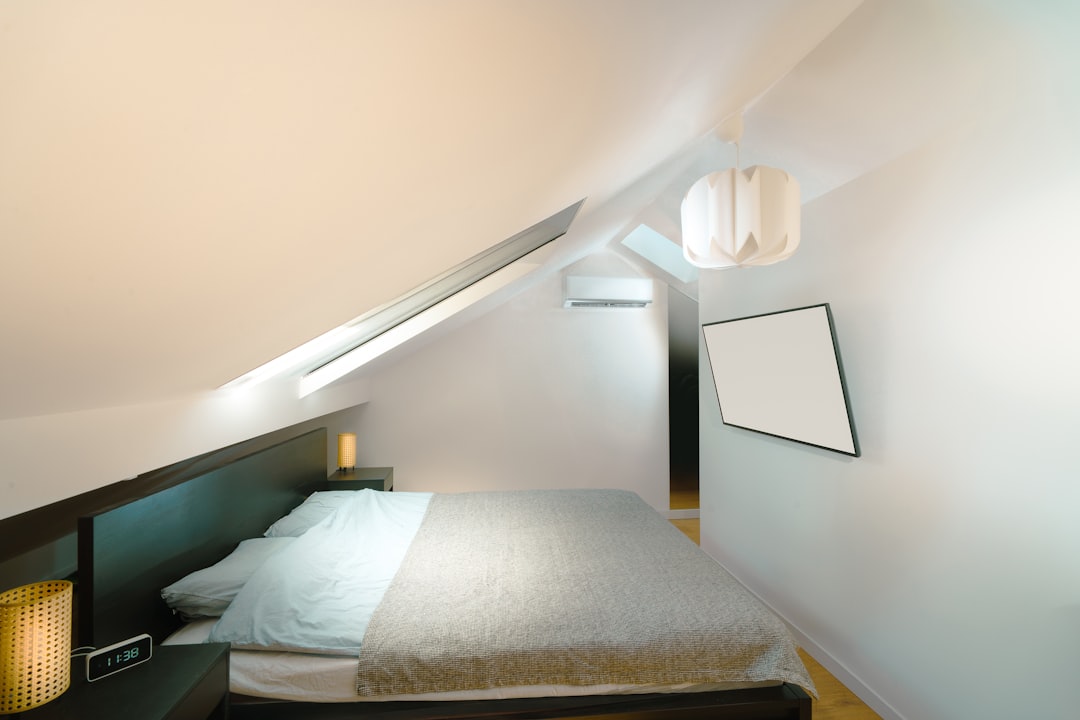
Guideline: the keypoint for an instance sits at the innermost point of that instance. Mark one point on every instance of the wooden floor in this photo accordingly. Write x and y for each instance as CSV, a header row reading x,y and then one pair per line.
x,y
834,702
684,489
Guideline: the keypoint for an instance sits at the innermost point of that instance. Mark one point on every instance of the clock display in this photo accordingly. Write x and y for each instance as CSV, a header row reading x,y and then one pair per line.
x,y
120,656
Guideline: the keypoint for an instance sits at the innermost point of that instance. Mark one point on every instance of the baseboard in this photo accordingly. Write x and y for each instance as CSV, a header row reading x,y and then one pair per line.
x,y
685,514
849,679
845,676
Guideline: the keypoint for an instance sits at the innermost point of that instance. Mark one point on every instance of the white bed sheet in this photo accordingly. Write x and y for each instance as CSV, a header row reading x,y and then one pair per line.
x,y
318,594
330,678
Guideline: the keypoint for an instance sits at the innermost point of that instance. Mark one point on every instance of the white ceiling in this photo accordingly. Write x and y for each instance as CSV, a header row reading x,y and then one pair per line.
x,y
190,189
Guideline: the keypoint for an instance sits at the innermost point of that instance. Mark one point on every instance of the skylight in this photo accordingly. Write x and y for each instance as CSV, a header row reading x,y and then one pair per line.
x,y
660,251
341,350
345,363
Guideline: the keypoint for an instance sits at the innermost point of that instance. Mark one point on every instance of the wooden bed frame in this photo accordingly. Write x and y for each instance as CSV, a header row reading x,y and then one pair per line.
x,y
129,552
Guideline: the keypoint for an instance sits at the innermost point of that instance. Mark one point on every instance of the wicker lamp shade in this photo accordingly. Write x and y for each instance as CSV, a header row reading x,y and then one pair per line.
x,y
35,644
346,451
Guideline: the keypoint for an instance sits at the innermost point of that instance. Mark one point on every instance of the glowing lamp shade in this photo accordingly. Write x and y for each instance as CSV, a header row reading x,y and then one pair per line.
x,y
35,644
346,451
735,218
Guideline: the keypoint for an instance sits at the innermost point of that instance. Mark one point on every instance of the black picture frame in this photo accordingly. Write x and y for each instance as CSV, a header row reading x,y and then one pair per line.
x,y
780,374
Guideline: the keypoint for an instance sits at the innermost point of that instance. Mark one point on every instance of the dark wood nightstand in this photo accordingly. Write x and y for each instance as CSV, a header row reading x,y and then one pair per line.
x,y
178,682
369,478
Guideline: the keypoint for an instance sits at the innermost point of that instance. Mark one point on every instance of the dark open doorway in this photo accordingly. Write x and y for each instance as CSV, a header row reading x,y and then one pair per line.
x,y
683,335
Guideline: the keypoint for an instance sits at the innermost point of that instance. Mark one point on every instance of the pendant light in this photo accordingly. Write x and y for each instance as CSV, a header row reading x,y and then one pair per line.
x,y
736,218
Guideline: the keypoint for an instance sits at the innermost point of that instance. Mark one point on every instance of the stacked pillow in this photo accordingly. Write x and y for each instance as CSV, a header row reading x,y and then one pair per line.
x,y
208,592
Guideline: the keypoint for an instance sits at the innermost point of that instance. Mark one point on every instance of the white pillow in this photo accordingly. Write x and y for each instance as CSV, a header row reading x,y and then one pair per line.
x,y
309,513
207,592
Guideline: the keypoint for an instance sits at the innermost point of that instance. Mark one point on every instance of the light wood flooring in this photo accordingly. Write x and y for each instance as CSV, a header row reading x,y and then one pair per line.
x,y
684,489
834,702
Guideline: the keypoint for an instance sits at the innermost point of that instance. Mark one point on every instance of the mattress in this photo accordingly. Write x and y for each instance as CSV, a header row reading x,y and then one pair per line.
x,y
328,678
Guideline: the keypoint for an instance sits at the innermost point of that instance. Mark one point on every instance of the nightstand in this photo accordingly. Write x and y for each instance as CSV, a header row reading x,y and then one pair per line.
x,y
178,682
370,478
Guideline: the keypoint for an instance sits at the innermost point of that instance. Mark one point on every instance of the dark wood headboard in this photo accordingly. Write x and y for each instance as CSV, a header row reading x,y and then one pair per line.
x,y
127,553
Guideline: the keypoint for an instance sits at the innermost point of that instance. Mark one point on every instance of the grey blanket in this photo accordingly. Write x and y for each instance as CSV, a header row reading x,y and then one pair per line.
x,y
568,587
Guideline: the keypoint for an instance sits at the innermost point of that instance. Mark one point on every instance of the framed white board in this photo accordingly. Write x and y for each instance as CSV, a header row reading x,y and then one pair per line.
x,y
780,374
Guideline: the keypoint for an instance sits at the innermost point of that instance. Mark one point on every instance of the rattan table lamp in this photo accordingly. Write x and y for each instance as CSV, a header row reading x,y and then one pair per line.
x,y
346,451
35,644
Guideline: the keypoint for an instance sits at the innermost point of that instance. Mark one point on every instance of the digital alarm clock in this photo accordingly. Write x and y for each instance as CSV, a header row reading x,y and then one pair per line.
x,y
121,656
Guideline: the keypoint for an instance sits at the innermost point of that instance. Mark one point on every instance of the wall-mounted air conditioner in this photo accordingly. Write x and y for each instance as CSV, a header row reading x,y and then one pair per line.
x,y
607,292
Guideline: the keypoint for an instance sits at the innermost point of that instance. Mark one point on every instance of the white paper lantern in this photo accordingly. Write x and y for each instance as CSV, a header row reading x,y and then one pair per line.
x,y
733,218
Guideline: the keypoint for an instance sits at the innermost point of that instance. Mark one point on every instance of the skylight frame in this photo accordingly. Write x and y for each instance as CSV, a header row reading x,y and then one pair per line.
x,y
333,345
659,250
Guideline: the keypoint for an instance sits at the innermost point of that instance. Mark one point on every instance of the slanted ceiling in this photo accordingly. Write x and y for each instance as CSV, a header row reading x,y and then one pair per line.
x,y
190,189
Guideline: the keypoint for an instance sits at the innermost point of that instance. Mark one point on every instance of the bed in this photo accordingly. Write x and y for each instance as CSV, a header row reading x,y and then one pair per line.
x,y
433,647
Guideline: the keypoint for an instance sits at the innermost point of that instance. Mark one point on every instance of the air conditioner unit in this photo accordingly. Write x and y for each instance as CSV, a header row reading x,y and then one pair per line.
x,y
607,292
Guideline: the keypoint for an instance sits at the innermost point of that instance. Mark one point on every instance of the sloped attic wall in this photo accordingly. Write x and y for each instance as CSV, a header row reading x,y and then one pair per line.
x,y
47,458
529,395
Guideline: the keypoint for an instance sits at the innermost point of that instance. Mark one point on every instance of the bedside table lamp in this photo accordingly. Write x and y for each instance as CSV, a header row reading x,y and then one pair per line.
x,y
346,451
35,644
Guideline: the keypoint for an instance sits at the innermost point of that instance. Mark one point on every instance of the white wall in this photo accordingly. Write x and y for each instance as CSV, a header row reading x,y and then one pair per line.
x,y
50,457
939,573
529,395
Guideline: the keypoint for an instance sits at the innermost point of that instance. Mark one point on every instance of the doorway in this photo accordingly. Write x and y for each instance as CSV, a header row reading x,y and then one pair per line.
x,y
683,404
